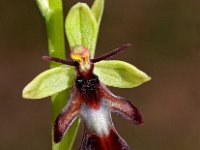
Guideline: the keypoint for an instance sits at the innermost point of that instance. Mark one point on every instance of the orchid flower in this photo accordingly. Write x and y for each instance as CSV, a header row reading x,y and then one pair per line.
x,y
93,102
88,78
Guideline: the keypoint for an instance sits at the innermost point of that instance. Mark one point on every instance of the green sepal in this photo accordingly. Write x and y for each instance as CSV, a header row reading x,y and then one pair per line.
x,y
50,82
119,74
81,27
97,10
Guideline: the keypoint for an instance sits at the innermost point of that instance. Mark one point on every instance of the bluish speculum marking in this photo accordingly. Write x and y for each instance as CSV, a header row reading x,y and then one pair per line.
x,y
97,120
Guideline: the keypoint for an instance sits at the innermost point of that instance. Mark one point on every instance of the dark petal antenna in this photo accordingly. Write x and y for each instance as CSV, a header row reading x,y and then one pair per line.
x,y
112,53
66,62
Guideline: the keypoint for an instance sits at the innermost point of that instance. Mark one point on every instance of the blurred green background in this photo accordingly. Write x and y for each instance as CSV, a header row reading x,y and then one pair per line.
x,y
166,39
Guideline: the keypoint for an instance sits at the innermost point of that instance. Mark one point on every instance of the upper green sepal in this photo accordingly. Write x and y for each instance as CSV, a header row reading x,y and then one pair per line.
x,y
50,82
81,27
119,74
97,10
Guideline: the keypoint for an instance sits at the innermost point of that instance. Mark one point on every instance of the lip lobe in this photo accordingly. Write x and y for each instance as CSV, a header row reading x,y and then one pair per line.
x,y
112,141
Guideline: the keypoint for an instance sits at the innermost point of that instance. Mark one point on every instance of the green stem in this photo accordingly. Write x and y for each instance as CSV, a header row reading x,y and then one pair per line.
x,y
52,11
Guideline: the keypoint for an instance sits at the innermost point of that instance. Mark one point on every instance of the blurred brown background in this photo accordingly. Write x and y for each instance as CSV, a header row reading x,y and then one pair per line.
x,y
166,38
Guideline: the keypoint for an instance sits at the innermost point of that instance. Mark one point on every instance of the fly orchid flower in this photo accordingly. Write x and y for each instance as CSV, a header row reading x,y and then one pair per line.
x,y
86,77
93,102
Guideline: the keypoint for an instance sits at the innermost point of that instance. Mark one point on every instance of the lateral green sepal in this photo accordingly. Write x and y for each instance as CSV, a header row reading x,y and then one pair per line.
x,y
50,82
119,74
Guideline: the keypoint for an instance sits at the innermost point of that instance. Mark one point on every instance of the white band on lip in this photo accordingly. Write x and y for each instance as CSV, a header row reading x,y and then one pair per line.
x,y
97,120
